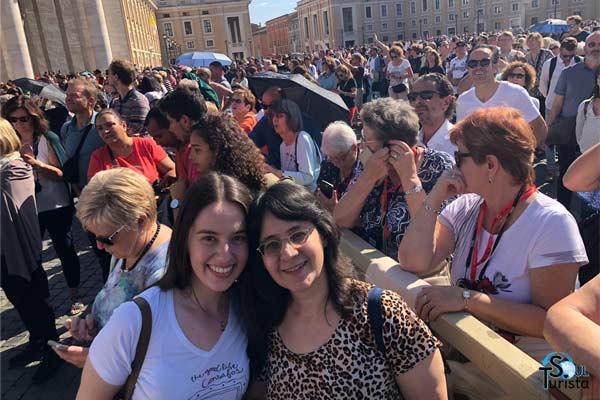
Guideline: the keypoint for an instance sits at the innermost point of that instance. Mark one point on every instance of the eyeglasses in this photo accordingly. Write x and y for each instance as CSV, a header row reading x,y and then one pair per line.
x,y
340,157
458,157
105,127
483,63
424,95
23,119
237,101
393,57
109,240
265,106
516,76
273,247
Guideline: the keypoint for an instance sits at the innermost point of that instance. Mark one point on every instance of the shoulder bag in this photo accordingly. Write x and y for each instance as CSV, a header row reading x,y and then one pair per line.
x,y
126,391
562,130
71,167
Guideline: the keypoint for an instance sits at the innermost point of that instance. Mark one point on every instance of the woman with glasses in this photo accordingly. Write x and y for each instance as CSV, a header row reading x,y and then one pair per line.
x,y
42,149
118,209
309,334
433,63
300,156
521,74
515,250
242,109
346,88
140,154
197,346
398,72
390,187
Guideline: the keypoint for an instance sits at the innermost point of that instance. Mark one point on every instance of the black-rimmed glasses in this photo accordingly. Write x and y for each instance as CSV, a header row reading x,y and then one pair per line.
x,y
483,63
424,95
108,240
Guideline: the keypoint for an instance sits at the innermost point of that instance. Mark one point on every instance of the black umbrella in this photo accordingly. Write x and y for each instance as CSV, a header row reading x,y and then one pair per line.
x,y
43,89
320,104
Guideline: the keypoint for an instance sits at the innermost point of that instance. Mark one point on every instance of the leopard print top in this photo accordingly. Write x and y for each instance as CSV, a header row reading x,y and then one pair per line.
x,y
349,365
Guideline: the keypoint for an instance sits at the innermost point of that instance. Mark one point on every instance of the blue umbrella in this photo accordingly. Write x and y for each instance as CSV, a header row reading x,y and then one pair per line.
x,y
550,26
201,59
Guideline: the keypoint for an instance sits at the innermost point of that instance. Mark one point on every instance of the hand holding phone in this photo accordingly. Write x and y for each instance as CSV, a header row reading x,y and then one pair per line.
x,y
326,188
56,345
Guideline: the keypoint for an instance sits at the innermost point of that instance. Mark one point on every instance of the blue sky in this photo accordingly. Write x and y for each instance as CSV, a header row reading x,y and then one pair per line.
x,y
264,10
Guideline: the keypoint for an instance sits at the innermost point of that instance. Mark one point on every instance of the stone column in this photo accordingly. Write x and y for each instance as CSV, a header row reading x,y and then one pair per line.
x,y
14,43
99,34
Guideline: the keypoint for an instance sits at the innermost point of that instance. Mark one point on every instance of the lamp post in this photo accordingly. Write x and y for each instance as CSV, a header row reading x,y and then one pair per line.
x,y
478,14
167,58
555,4
420,28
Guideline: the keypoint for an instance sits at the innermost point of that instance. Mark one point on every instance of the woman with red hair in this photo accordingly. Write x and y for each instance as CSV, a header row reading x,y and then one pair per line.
x,y
515,250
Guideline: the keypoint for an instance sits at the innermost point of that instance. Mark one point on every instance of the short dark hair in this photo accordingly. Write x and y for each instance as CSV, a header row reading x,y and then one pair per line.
x,y
444,88
183,101
208,189
291,111
495,52
124,70
217,64
149,84
156,115
569,44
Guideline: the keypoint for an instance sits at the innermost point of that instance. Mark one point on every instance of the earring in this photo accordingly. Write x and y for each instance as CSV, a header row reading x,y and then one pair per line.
x,y
490,179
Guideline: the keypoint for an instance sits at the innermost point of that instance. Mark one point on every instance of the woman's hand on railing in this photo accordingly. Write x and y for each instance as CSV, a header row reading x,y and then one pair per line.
x,y
433,301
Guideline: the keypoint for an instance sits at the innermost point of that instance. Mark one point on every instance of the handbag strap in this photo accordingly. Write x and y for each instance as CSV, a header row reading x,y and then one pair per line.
x,y
82,140
113,161
376,317
141,348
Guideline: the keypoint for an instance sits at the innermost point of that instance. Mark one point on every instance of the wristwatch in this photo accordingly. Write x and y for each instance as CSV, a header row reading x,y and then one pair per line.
x,y
174,204
466,295
415,189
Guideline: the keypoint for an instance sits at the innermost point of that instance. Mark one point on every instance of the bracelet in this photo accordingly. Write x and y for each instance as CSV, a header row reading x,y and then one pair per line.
x,y
429,208
415,189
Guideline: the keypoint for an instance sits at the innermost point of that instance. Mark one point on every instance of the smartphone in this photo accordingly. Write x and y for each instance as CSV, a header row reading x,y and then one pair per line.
x,y
56,345
326,188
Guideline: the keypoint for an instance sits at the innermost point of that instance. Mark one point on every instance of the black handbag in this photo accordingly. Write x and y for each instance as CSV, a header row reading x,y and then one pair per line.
x,y
561,131
70,168
401,87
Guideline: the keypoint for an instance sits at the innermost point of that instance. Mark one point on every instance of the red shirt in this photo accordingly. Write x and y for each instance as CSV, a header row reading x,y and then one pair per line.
x,y
183,165
144,157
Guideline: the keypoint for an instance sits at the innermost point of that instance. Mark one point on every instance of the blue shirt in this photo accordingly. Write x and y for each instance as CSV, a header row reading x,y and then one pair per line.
x,y
70,136
576,83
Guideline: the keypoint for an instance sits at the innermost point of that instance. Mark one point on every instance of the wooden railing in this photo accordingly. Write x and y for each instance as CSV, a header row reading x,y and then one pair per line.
x,y
516,373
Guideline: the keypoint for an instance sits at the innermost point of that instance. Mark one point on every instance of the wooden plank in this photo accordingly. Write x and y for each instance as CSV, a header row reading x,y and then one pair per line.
x,y
513,370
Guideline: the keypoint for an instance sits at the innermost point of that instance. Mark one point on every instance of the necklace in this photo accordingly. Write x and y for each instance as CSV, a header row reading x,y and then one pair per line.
x,y
143,253
222,323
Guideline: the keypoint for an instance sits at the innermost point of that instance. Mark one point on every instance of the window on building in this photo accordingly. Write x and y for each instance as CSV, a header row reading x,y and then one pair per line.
x,y
497,9
368,12
556,2
413,8
451,31
369,27
437,4
425,34
210,43
465,2
425,21
383,10
515,7
400,36
414,35
413,22
399,24
534,20
424,6
306,32
465,14
535,3
315,25
497,25
450,17
384,26
185,14
204,12
207,26
370,40
190,44
168,28
450,3
348,24
234,29
398,9
187,28
166,15
385,38
438,19
515,23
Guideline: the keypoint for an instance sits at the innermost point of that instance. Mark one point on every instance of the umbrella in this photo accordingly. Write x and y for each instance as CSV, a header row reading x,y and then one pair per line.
x,y
201,59
43,89
550,26
320,104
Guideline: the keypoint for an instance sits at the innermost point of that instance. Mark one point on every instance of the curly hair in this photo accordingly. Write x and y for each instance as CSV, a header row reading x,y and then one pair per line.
x,y
235,153
530,75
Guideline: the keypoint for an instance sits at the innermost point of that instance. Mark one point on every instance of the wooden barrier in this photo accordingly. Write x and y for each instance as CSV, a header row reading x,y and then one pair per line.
x,y
516,373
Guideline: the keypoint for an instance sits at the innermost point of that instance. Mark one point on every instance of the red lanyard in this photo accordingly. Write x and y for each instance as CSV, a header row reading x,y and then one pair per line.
x,y
384,198
491,245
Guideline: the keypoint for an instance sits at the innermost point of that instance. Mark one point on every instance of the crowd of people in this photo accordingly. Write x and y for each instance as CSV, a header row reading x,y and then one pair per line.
x,y
218,208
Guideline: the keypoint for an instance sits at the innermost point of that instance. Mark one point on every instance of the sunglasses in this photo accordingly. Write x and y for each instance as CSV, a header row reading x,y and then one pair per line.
x,y
273,247
265,106
393,57
483,63
109,240
517,76
424,95
24,119
459,156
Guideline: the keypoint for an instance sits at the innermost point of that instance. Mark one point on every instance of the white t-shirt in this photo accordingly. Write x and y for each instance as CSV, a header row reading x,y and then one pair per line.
x,y
54,193
174,368
400,69
458,67
545,234
308,159
507,94
440,140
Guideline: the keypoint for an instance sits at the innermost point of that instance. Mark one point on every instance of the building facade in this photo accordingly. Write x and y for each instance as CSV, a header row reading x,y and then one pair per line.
x,y
260,40
278,35
220,26
71,36
294,32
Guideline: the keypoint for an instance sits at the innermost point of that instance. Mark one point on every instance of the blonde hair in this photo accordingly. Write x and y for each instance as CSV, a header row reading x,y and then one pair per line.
x,y
116,197
9,141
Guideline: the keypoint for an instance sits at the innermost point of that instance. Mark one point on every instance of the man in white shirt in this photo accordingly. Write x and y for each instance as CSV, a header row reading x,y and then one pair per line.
x,y
548,79
458,65
432,98
487,92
